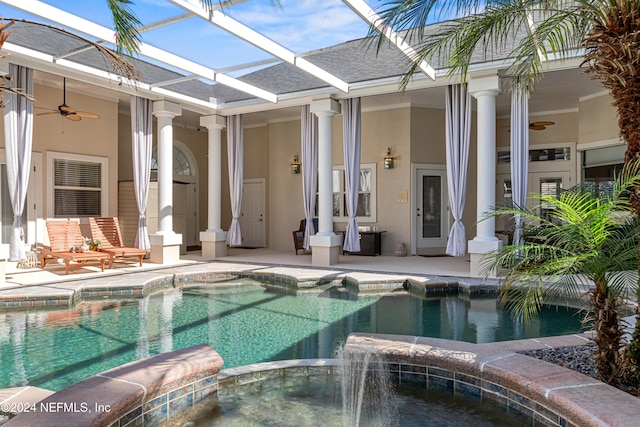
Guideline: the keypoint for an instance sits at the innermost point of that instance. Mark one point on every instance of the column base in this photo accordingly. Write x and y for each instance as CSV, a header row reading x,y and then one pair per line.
x,y
214,244
325,250
478,250
165,248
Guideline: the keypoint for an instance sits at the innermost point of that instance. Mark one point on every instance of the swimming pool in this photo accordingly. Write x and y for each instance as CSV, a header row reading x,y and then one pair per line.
x,y
245,321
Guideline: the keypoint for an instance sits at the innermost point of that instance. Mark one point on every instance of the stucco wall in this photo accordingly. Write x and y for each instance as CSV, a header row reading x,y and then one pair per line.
x,y
564,130
285,208
598,120
382,129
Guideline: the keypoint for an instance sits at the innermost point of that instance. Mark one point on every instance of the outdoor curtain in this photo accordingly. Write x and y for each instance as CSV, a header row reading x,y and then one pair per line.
x,y
18,132
519,152
235,157
309,150
351,144
458,134
141,135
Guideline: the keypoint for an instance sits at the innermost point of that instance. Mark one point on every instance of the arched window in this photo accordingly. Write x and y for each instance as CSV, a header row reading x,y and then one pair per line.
x,y
181,165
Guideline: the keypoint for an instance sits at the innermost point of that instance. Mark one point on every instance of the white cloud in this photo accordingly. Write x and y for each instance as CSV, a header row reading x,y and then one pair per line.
x,y
302,25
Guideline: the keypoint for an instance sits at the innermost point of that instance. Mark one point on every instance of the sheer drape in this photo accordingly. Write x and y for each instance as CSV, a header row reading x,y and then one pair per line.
x,y
18,132
309,152
141,136
458,134
235,157
519,151
351,143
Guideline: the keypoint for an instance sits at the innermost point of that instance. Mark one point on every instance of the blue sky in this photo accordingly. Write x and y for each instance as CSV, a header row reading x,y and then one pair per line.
x,y
300,26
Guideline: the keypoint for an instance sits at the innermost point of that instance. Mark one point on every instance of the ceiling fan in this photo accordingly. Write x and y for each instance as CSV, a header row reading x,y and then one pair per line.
x,y
540,125
67,112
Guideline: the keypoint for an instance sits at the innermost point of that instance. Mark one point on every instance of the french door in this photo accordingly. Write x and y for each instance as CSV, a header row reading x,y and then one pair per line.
x,y
431,215
252,220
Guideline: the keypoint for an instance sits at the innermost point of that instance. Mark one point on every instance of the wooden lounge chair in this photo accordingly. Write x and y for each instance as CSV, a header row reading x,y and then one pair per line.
x,y
298,235
66,242
107,231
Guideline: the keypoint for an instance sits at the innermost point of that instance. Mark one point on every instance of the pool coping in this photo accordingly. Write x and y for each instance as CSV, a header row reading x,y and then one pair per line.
x,y
295,279
143,392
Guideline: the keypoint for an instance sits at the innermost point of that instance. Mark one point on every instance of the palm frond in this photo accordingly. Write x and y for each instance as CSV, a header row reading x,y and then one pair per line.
x,y
126,26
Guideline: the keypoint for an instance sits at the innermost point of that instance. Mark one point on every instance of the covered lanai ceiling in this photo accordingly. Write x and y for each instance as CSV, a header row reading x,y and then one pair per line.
x,y
271,86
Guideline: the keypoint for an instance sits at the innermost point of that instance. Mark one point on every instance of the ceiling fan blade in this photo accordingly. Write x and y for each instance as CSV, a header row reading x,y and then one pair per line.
x,y
537,127
87,115
47,113
73,117
543,123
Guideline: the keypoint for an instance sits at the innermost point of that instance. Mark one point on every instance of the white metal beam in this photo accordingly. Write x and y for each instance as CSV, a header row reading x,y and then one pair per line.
x,y
49,64
240,30
365,12
76,23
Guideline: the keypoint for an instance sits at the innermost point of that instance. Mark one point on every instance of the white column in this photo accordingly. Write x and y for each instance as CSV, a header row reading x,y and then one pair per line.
x,y
485,90
213,240
325,245
165,243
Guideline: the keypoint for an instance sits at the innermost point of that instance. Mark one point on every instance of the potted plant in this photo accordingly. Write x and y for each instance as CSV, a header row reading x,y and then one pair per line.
x,y
93,244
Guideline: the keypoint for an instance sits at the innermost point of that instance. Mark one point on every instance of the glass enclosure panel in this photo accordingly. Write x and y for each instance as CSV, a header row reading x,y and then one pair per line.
x,y
431,206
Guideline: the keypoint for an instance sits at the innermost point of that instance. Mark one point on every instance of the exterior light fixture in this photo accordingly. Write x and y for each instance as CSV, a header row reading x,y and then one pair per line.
x,y
388,159
295,165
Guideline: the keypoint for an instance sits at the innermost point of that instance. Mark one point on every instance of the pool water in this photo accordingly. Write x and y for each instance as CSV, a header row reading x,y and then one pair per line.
x,y
299,401
245,321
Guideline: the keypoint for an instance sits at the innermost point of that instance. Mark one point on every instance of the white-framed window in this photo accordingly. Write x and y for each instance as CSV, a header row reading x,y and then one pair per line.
x,y
77,185
367,207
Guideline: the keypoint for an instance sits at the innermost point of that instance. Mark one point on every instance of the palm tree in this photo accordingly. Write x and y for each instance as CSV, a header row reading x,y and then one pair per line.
x,y
586,246
608,30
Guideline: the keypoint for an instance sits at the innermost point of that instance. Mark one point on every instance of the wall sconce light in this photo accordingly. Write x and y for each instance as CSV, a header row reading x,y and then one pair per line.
x,y
295,165
388,159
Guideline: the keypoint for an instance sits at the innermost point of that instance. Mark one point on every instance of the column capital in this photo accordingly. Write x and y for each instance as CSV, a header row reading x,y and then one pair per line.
x,y
166,109
485,86
326,106
214,121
